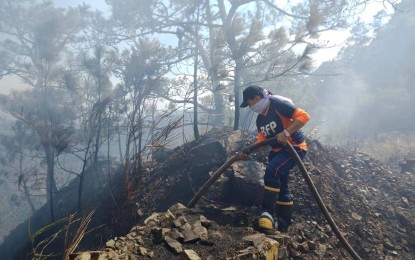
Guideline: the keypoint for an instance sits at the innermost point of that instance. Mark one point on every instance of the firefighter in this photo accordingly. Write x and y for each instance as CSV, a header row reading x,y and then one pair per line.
x,y
277,117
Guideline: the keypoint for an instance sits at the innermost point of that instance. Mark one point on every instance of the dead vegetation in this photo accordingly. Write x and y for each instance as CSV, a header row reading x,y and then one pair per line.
x,y
372,205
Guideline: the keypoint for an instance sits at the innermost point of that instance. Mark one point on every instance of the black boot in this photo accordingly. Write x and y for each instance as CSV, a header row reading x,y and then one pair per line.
x,y
266,220
284,216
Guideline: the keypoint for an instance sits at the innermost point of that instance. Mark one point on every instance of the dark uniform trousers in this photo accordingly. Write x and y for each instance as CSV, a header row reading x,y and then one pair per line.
x,y
277,197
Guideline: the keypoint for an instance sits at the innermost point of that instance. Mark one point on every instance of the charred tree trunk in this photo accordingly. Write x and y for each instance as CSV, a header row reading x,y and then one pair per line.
x,y
237,91
50,178
195,82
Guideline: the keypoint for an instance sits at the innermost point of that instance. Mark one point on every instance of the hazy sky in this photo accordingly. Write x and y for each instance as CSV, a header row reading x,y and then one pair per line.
x,y
96,4
12,82
336,39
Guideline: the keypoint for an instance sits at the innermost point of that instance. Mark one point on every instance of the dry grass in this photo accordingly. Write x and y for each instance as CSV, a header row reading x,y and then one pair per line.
x,y
389,148
73,229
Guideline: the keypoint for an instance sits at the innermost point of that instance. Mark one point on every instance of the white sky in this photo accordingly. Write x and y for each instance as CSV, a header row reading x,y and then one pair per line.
x,y
96,4
335,39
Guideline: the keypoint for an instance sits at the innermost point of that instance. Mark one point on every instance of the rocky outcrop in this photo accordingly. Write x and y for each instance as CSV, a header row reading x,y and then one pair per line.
x,y
185,234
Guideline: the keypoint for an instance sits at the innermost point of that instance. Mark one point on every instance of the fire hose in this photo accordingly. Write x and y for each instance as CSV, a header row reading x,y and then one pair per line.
x,y
305,174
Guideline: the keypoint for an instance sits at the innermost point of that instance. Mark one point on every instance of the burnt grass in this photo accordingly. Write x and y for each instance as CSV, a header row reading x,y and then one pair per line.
x,y
372,205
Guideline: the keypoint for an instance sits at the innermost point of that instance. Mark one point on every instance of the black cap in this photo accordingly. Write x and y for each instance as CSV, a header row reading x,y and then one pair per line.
x,y
250,92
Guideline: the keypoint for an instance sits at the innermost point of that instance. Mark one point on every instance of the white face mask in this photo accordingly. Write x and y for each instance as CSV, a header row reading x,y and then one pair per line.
x,y
260,106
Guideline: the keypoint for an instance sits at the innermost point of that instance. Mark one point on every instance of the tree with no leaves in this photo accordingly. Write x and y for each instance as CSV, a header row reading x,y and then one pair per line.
x,y
256,38
35,37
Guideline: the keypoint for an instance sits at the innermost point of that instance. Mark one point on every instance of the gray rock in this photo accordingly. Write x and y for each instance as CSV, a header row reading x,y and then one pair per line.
x,y
356,216
104,256
143,251
200,230
173,244
131,235
110,243
205,222
84,256
152,220
247,253
189,235
191,255
180,221
174,233
405,202
140,213
247,179
256,239
321,250
388,245
178,208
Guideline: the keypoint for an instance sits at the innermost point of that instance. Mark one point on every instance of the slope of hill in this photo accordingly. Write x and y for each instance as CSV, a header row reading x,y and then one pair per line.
x,y
371,204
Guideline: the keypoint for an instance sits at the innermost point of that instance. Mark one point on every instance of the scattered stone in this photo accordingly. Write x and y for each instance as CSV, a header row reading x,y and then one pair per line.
x,y
294,245
191,255
247,253
377,214
328,229
174,245
189,235
321,250
84,256
143,250
138,229
405,202
174,233
229,209
110,243
205,222
131,235
255,239
104,256
356,216
179,222
200,230
139,239
178,208
152,220
388,245
140,213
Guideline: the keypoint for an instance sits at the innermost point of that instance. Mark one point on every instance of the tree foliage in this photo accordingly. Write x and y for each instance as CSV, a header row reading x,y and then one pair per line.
x,y
90,78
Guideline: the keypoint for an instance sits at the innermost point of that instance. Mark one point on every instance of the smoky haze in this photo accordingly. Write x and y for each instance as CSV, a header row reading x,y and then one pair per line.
x,y
369,89
80,87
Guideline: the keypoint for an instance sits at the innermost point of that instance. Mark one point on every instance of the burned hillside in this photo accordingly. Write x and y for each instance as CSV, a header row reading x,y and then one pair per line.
x,y
371,204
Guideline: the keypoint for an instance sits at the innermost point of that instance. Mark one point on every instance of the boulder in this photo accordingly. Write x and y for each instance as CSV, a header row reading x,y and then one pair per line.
x,y
247,181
